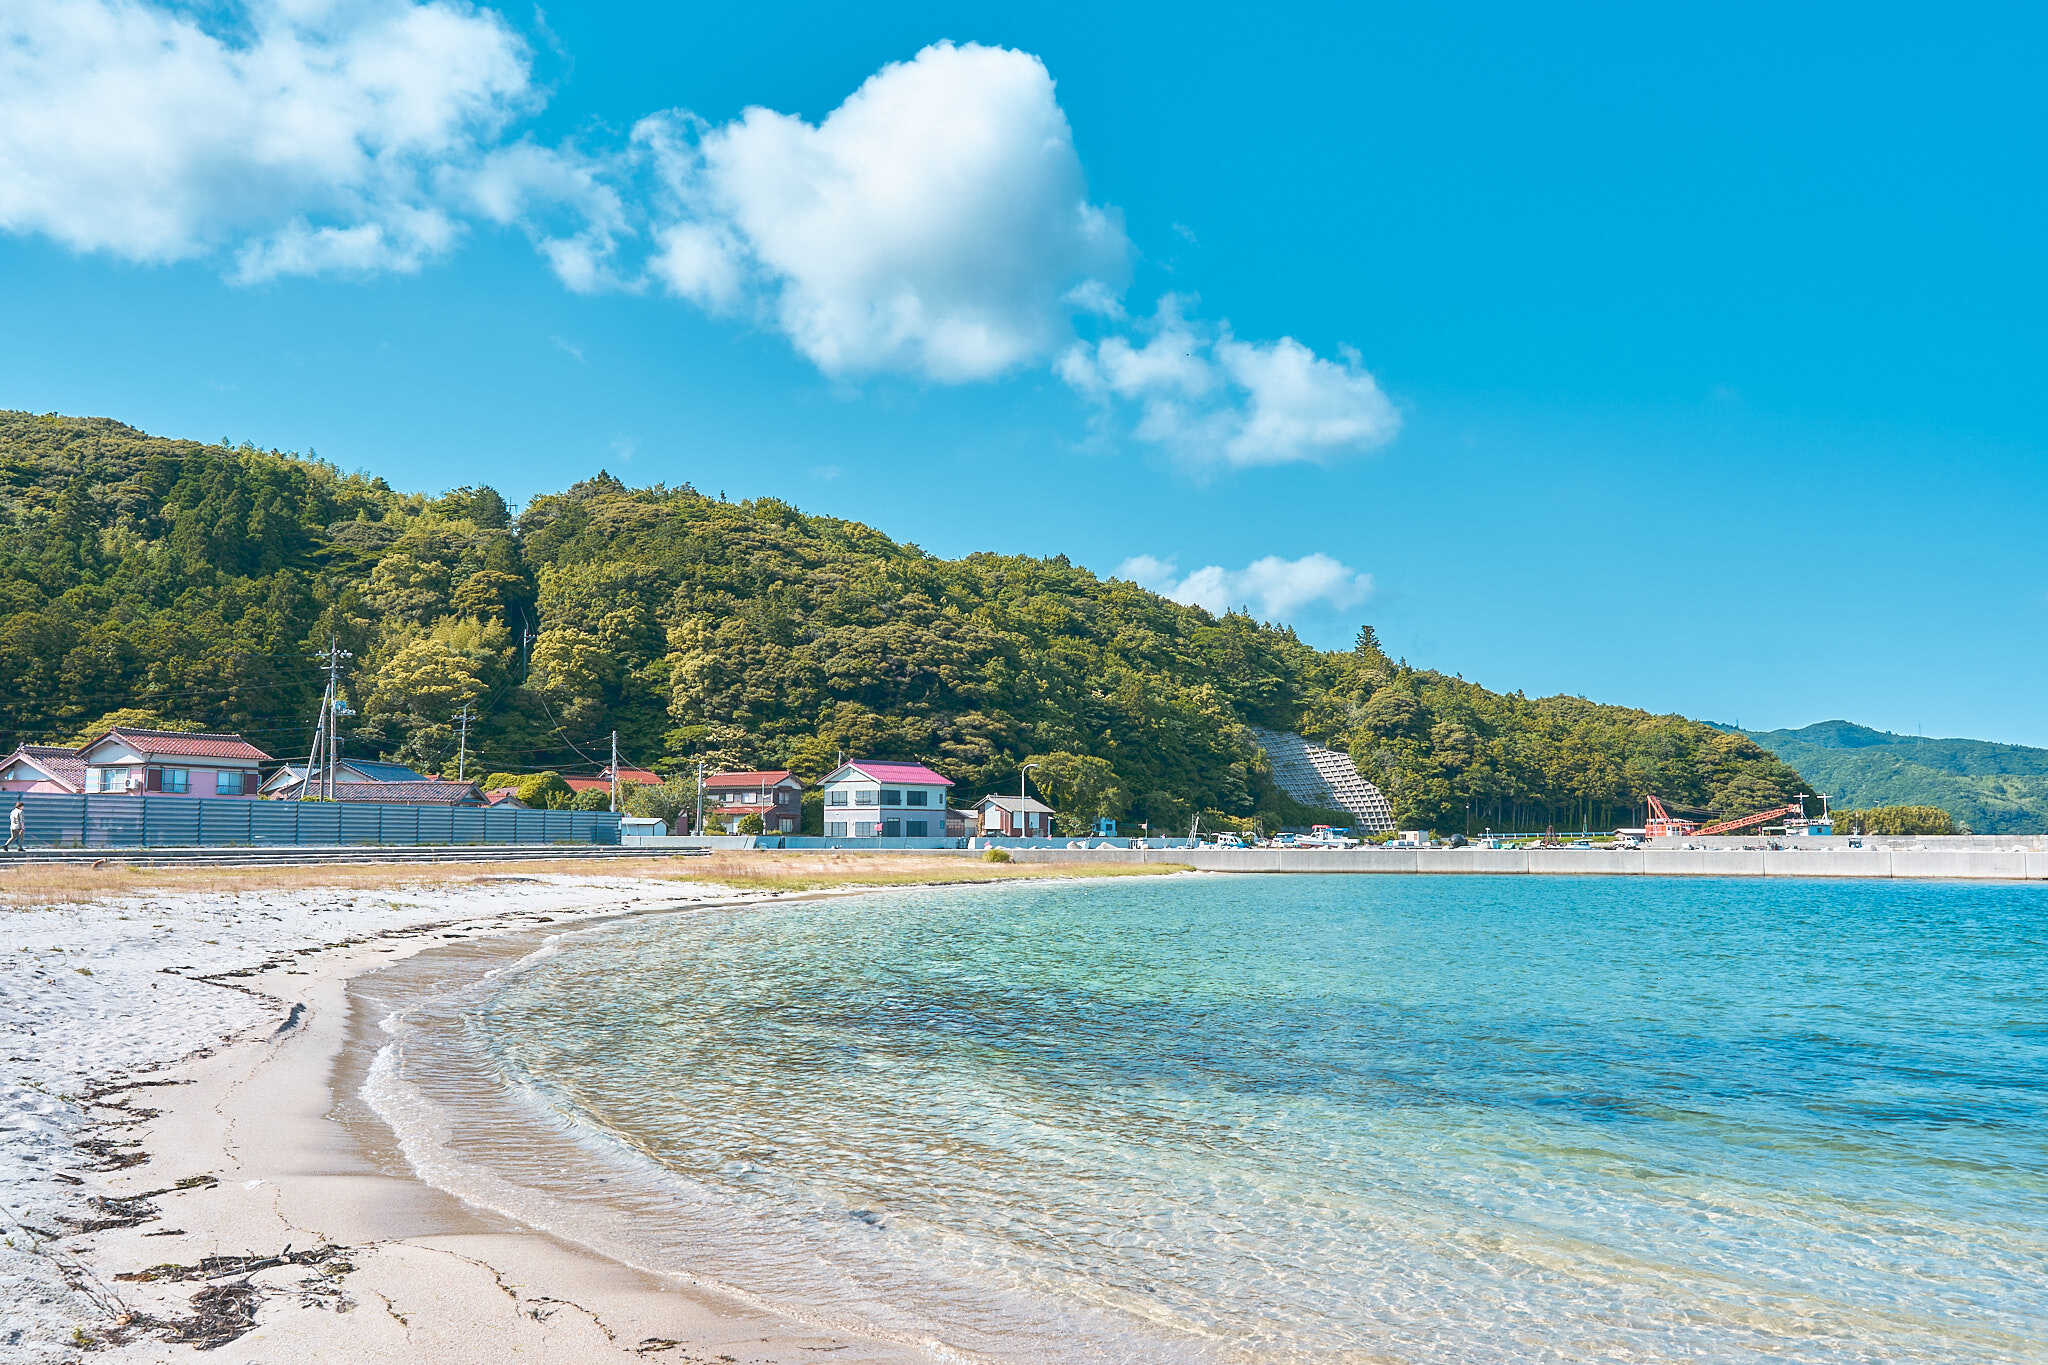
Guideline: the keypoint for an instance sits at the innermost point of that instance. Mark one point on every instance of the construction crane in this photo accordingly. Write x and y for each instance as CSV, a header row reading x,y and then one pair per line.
x,y
1761,817
1664,824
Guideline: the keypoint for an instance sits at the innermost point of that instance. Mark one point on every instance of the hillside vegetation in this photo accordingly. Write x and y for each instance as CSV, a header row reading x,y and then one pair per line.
x,y
194,582
1987,788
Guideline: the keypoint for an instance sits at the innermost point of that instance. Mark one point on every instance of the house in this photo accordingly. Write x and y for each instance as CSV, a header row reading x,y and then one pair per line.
x,y
284,783
171,762
506,797
43,768
603,781
960,823
426,792
776,796
884,800
1016,817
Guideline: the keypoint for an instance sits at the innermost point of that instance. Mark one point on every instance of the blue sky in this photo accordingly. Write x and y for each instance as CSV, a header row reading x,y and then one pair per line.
x,y
1687,360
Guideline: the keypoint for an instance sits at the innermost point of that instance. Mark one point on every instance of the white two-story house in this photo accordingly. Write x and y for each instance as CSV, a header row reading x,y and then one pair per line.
x,y
885,801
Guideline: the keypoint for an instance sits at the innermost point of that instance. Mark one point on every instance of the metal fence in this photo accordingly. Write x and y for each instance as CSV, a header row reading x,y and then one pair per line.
x,y
125,821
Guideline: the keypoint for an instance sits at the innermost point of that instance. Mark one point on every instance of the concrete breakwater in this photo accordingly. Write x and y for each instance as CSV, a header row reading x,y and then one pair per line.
x,y
2011,861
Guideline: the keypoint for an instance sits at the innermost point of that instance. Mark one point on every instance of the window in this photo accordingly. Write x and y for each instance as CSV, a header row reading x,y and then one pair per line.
x,y
864,829
892,829
869,797
836,797
891,797
835,829
917,829
916,797
177,779
228,784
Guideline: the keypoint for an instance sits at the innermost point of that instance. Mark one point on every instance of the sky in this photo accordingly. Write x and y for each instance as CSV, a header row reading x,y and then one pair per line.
x,y
1684,358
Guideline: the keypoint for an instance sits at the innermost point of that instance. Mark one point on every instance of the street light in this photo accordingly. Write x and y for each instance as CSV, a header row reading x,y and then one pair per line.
x,y
1021,798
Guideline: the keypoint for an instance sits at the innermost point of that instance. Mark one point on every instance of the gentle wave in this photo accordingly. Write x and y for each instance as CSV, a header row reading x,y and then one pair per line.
x,y
1291,1118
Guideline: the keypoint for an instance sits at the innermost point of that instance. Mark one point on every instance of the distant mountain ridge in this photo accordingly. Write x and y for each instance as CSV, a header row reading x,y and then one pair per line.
x,y
1989,788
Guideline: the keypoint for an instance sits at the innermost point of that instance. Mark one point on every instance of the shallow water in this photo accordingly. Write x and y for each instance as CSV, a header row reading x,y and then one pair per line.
x,y
1369,1118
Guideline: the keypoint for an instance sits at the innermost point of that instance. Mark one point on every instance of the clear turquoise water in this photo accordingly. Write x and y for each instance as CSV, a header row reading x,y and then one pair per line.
x,y
1329,1118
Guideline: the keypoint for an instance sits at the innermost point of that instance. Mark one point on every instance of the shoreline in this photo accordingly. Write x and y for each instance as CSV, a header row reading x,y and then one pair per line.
x,y
2017,859
231,1135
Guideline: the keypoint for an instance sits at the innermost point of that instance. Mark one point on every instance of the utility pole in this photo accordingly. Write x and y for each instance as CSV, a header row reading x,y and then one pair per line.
x,y
319,737
462,747
334,654
1020,795
615,772
698,828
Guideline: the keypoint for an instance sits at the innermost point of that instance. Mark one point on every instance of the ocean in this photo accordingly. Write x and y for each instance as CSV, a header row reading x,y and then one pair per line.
x,y
1288,1118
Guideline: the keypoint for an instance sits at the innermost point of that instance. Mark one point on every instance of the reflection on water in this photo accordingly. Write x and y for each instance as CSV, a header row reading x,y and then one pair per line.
x,y
1295,1117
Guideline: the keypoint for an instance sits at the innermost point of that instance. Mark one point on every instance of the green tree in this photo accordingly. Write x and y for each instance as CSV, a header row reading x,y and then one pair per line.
x,y
1082,788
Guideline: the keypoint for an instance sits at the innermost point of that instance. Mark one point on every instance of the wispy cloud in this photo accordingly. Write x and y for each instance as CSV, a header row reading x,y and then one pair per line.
x,y
567,348
1274,588
1211,399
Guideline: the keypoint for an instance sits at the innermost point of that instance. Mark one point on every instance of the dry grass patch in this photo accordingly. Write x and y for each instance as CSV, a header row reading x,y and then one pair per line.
x,y
33,884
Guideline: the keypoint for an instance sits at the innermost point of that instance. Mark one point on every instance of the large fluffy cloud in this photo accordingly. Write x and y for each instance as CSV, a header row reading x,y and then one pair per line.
x,y
1276,588
1212,399
305,135
935,223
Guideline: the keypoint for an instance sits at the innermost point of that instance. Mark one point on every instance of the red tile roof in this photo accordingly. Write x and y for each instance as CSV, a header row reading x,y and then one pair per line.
x,y
915,773
768,778
589,784
179,744
642,776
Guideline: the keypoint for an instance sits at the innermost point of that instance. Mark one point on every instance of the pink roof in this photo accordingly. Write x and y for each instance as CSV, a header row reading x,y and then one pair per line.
x,y
178,744
914,773
768,778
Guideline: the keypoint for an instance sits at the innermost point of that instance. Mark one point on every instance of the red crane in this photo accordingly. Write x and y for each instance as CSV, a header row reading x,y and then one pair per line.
x,y
1663,823
1730,826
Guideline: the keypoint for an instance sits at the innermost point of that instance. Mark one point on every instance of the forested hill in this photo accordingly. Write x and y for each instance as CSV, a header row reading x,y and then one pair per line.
x,y
194,583
1988,788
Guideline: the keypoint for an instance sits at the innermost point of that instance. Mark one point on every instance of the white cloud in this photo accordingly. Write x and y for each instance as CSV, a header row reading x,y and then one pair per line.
x,y
1211,399
936,223
1276,588
303,135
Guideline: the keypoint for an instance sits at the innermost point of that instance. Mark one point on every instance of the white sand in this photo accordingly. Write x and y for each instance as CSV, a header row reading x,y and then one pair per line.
x,y
103,994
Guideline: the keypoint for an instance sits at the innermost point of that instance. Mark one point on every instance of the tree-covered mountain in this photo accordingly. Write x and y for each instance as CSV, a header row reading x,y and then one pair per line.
x,y
195,582
1988,788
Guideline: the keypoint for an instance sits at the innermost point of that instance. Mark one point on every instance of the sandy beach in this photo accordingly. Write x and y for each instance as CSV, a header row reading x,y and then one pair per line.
x,y
181,1162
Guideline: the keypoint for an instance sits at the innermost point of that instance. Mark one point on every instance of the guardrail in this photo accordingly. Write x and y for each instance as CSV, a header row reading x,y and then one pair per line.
x,y
136,821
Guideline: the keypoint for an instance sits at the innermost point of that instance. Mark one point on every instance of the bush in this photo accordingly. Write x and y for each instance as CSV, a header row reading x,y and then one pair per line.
x,y
591,800
544,791
750,823
1895,820
997,855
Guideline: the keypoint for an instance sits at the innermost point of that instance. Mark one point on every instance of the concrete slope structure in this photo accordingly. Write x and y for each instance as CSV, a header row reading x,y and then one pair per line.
x,y
1316,776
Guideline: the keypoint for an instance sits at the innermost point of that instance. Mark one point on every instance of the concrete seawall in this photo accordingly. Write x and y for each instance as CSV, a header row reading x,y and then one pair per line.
x,y
1969,864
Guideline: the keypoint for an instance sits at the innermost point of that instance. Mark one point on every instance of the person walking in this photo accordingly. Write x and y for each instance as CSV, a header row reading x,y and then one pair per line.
x,y
17,828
